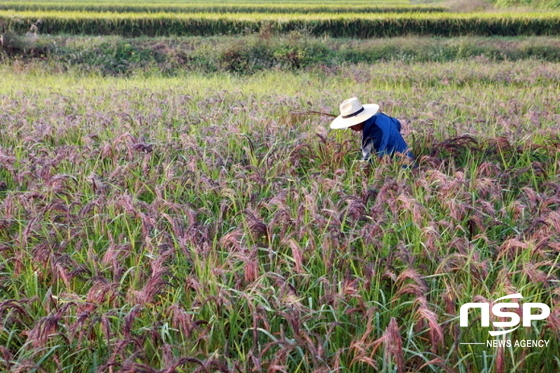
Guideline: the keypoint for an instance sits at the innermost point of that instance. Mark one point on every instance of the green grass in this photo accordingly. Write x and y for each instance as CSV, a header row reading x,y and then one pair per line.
x,y
118,56
205,222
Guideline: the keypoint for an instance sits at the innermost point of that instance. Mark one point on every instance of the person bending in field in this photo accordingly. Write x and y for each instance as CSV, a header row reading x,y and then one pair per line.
x,y
380,132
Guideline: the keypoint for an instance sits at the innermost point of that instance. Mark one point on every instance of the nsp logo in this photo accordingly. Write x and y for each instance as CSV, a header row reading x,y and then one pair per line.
x,y
497,310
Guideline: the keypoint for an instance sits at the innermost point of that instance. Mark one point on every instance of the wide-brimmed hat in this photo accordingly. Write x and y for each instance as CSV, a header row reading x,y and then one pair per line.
x,y
352,112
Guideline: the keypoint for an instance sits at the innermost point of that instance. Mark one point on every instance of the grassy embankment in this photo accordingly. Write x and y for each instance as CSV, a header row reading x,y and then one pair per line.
x,y
171,56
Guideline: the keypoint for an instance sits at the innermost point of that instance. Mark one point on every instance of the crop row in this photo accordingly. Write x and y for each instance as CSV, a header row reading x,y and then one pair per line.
x,y
348,25
222,8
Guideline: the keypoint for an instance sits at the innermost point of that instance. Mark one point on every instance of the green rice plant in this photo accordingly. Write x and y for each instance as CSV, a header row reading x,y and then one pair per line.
x,y
356,25
222,7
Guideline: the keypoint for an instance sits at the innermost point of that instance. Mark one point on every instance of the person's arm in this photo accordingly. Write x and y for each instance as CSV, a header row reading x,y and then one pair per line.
x,y
367,148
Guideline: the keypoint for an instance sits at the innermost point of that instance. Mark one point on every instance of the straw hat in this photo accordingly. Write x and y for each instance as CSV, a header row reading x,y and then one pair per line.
x,y
352,112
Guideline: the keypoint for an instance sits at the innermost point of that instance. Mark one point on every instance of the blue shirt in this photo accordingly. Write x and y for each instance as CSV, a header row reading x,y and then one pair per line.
x,y
382,133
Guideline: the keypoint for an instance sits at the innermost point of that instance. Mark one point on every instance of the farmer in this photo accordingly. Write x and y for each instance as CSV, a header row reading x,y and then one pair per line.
x,y
380,133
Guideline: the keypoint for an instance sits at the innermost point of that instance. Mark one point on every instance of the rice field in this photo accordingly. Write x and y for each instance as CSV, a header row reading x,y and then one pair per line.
x,y
179,204
329,24
211,223
224,7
